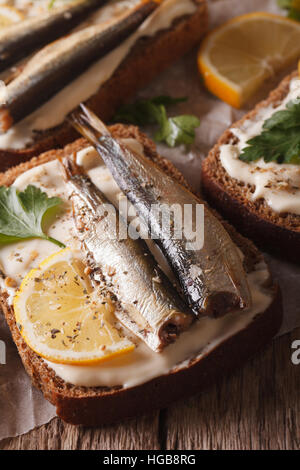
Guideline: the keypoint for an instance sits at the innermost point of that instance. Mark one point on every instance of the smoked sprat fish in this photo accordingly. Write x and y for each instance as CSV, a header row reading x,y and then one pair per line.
x,y
20,40
59,63
145,300
212,277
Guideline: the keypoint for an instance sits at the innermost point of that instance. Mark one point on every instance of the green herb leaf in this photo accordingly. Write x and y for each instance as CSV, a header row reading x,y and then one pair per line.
x,y
285,119
280,139
294,14
22,214
174,130
140,113
284,3
51,4
292,7
144,112
277,145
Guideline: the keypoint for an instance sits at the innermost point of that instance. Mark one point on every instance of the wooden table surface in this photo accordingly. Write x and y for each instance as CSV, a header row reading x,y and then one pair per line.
x,y
256,408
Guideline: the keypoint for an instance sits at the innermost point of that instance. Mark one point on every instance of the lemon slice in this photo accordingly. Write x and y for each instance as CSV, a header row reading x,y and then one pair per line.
x,y
9,15
61,318
237,57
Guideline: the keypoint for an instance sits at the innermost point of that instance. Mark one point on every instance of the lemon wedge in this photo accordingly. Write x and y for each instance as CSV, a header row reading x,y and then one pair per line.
x,y
236,58
61,318
9,15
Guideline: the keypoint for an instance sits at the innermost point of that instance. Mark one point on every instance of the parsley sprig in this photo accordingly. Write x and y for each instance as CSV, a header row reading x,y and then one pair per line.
x,y
280,139
171,130
23,213
292,7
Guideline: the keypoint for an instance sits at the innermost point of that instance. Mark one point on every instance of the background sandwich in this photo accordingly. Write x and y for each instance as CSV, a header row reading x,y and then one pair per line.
x,y
170,31
252,174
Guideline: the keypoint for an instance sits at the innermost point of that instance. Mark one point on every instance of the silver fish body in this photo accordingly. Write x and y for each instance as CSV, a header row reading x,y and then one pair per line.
x,y
20,40
212,278
145,300
59,63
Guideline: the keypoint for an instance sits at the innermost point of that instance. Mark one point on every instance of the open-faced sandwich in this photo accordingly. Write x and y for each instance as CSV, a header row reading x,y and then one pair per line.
x,y
120,46
110,326
252,175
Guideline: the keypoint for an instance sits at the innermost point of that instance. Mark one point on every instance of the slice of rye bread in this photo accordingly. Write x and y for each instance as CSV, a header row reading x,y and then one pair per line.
x,y
100,405
145,61
279,233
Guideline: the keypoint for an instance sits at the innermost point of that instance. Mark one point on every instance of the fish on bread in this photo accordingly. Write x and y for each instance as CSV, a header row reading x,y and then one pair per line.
x,y
60,62
145,300
212,278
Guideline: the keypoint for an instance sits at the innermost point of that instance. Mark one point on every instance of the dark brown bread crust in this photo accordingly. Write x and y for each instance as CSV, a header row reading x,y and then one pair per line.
x,y
279,233
146,60
100,405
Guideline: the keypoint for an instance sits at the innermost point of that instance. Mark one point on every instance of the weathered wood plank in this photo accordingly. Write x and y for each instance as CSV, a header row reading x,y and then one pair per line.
x,y
136,434
256,408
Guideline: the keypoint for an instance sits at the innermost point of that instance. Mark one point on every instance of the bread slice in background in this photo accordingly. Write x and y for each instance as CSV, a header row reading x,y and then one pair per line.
x,y
147,58
101,405
279,233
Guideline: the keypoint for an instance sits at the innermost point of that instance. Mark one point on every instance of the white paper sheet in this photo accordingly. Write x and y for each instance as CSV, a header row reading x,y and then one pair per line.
x,y
21,407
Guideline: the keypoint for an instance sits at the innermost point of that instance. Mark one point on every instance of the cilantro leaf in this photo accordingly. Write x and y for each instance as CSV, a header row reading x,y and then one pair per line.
x,y
173,131
280,138
22,214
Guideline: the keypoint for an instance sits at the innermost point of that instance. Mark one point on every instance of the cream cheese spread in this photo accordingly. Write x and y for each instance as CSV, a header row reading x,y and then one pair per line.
x,y
277,184
142,364
37,7
53,112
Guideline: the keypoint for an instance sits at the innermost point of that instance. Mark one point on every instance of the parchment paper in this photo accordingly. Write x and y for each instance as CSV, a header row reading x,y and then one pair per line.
x,y
23,408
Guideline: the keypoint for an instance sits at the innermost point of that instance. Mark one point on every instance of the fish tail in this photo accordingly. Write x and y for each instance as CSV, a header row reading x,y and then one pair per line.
x,y
70,167
88,124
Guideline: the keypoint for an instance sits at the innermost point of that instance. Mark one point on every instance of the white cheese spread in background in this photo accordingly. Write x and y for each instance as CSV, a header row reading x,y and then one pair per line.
x,y
36,7
142,364
278,184
53,112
